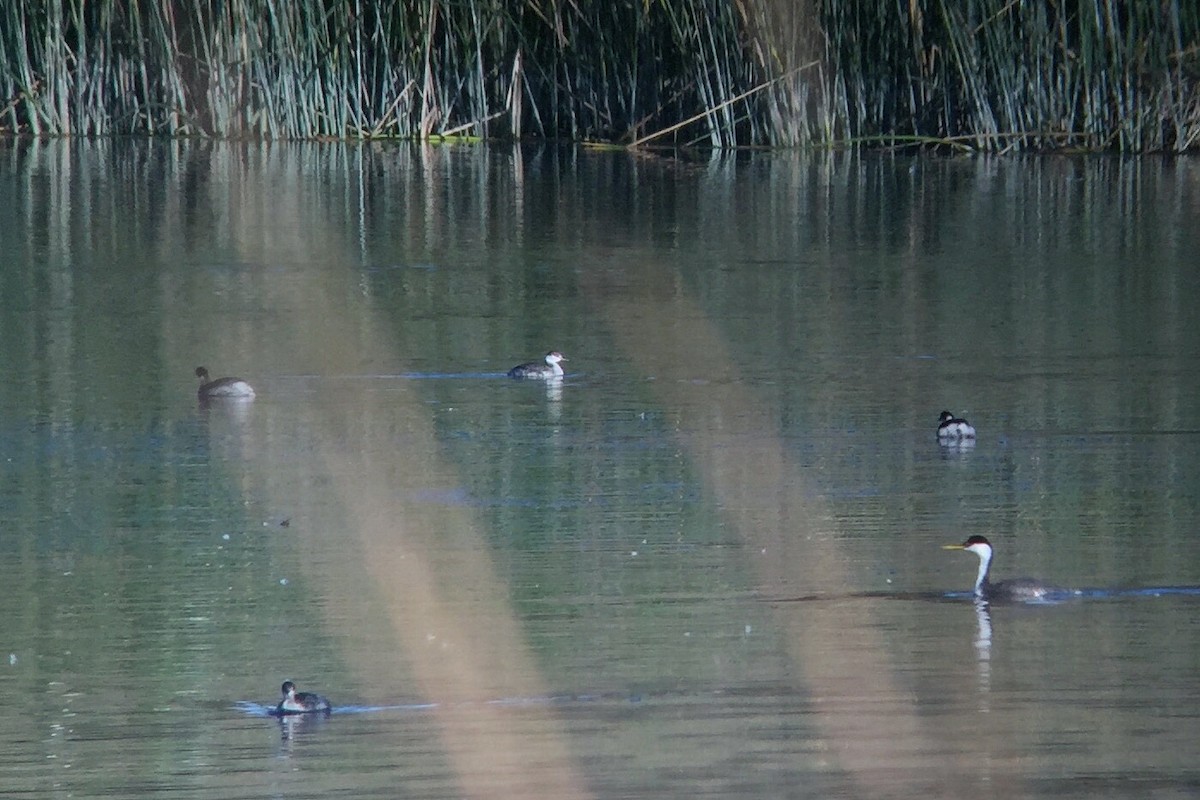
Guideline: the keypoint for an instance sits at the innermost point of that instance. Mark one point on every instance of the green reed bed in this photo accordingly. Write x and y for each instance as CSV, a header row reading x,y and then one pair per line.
x,y
980,74
999,73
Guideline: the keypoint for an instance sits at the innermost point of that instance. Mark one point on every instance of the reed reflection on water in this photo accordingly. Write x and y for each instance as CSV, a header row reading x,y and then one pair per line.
x,y
707,561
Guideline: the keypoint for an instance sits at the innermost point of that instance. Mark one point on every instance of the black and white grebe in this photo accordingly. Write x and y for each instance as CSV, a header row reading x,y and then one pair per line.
x,y
535,371
1019,589
294,702
953,429
221,387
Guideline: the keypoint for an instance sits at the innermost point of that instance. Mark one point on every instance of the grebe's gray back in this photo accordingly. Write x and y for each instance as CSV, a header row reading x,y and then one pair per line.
x,y
221,387
294,702
537,371
1019,589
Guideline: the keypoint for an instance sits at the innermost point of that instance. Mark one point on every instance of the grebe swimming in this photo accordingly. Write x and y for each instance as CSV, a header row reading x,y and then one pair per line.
x,y
221,387
534,370
294,702
1020,589
953,429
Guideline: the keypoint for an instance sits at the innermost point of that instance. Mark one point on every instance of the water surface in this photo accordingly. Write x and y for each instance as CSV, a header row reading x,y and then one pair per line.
x,y
707,563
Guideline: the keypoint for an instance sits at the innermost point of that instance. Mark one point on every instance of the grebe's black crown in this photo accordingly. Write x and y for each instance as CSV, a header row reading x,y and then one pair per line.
x,y
288,686
977,540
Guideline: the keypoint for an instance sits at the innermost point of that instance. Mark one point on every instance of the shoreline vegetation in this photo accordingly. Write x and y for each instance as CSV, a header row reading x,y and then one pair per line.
x,y
979,75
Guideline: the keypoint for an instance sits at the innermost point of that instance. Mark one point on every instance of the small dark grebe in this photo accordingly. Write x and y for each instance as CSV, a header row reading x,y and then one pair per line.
x,y
222,387
294,702
1019,590
953,429
534,370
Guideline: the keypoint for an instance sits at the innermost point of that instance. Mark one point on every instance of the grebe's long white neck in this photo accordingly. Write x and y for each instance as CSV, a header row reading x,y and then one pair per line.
x,y
982,548
984,551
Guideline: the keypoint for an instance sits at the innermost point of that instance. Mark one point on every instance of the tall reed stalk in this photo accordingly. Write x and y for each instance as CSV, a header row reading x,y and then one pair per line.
x,y
985,74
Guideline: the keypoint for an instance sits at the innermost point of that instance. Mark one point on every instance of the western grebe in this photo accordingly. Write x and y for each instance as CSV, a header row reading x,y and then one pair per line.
x,y
221,387
536,371
294,702
1020,589
953,429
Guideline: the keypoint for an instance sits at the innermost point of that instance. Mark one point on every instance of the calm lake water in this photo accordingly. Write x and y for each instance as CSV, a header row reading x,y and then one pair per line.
x,y
706,564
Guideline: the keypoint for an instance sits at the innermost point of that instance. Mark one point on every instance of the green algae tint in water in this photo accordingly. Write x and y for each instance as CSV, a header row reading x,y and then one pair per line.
x,y
708,562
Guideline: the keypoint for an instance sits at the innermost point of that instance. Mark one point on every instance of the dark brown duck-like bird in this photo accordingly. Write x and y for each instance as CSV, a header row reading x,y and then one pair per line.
x,y
294,702
221,387
536,371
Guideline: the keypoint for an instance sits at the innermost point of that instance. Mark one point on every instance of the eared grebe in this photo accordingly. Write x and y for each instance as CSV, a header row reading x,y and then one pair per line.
x,y
953,429
536,371
222,387
294,702
1020,589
